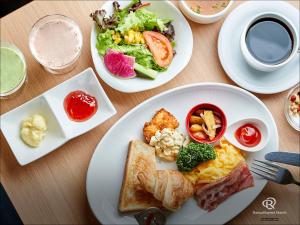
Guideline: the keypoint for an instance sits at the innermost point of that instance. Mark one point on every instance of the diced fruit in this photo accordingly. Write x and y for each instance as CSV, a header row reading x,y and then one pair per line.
x,y
217,120
209,120
293,98
160,47
199,112
196,120
200,135
196,128
119,64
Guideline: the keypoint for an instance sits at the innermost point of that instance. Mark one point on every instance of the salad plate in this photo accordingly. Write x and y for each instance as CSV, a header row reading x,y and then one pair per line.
x,y
233,61
60,128
183,41
110,155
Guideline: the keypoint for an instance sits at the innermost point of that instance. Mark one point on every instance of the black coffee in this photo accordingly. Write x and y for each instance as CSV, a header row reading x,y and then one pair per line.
x,y
269,40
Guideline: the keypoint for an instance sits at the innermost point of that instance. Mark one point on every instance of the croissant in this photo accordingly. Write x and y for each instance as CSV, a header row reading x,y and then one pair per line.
x,y
168,186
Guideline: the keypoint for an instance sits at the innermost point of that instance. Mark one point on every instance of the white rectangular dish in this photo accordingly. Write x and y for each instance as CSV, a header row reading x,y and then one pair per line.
x,y
60,128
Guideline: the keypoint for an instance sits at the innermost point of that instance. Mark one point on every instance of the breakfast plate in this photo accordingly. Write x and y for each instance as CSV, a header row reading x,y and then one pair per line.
x,y
50,105
110,154
183,48
231,56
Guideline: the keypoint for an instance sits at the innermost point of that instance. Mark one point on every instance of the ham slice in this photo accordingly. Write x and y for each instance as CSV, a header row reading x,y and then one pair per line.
x,y
209,196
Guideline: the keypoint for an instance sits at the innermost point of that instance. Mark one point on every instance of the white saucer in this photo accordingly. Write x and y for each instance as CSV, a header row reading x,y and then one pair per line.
x,y
231,57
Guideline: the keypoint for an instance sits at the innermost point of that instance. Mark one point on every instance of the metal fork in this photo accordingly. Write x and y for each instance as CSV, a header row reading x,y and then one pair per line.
x,y
273,172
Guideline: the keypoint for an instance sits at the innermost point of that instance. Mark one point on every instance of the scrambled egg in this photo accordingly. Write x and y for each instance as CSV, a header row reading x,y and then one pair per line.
x,y
33,130
228,157
167,143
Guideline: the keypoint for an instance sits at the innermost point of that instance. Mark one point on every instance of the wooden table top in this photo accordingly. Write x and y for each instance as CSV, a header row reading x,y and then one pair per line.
x,y
51,190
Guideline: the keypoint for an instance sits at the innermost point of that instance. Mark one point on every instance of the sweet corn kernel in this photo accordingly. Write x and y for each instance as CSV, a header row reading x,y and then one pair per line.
x,y
134,37
116,37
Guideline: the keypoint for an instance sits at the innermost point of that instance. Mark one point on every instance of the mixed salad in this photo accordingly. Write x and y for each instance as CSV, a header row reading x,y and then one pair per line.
x,y
134,41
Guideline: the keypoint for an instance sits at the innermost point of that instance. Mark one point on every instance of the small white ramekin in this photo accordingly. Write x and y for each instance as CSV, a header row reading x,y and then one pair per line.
x,y
200,18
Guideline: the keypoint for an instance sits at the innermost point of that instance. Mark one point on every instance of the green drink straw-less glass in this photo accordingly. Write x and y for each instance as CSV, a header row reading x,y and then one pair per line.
x,y
12,70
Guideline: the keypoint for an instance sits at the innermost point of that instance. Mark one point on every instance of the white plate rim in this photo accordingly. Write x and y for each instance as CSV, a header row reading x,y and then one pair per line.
x,y
224,65
124,117
125,89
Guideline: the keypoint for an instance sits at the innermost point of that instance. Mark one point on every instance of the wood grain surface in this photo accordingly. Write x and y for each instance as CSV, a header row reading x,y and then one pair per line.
x,y
51,190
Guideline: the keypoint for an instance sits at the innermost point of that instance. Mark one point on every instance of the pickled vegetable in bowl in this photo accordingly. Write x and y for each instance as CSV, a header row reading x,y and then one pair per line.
x,y
206,123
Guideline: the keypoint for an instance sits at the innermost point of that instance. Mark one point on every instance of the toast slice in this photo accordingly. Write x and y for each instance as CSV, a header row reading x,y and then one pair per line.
x,y
140,157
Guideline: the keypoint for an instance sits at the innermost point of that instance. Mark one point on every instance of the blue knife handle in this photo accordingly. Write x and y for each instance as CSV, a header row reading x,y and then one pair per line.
x,y
284,157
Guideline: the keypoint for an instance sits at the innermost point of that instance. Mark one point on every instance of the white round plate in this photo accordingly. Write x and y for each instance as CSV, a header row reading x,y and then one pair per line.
x,y
231,56
105,173
184,48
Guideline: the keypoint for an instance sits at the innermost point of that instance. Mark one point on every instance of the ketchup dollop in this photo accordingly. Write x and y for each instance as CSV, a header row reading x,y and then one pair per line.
x,y
80,106
248,135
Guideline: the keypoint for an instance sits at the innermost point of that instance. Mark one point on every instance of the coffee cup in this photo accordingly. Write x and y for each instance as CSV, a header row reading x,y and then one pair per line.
x,y
269,41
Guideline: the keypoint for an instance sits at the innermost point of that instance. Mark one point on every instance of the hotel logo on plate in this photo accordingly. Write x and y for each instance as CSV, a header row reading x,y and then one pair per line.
x,y
269,203
271,214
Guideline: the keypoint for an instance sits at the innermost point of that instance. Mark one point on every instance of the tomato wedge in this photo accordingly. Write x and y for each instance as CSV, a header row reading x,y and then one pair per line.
x,y
145,4
141,6
160,48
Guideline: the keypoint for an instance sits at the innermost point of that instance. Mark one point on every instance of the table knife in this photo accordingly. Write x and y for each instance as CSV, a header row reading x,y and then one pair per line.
x,y
284,157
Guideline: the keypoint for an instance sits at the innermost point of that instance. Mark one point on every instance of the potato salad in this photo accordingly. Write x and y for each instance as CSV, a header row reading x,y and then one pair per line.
x,y
167,143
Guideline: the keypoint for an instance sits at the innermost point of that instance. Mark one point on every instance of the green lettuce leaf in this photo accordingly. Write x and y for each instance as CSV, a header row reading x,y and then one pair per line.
x,y
104,41
142,55
131,21
120,14
141,20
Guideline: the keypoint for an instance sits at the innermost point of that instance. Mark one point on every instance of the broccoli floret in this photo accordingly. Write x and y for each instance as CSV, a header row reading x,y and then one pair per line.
x,y
193,154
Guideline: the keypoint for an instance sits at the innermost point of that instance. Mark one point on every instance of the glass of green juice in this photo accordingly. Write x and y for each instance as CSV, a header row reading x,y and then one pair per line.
x,y
12,71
